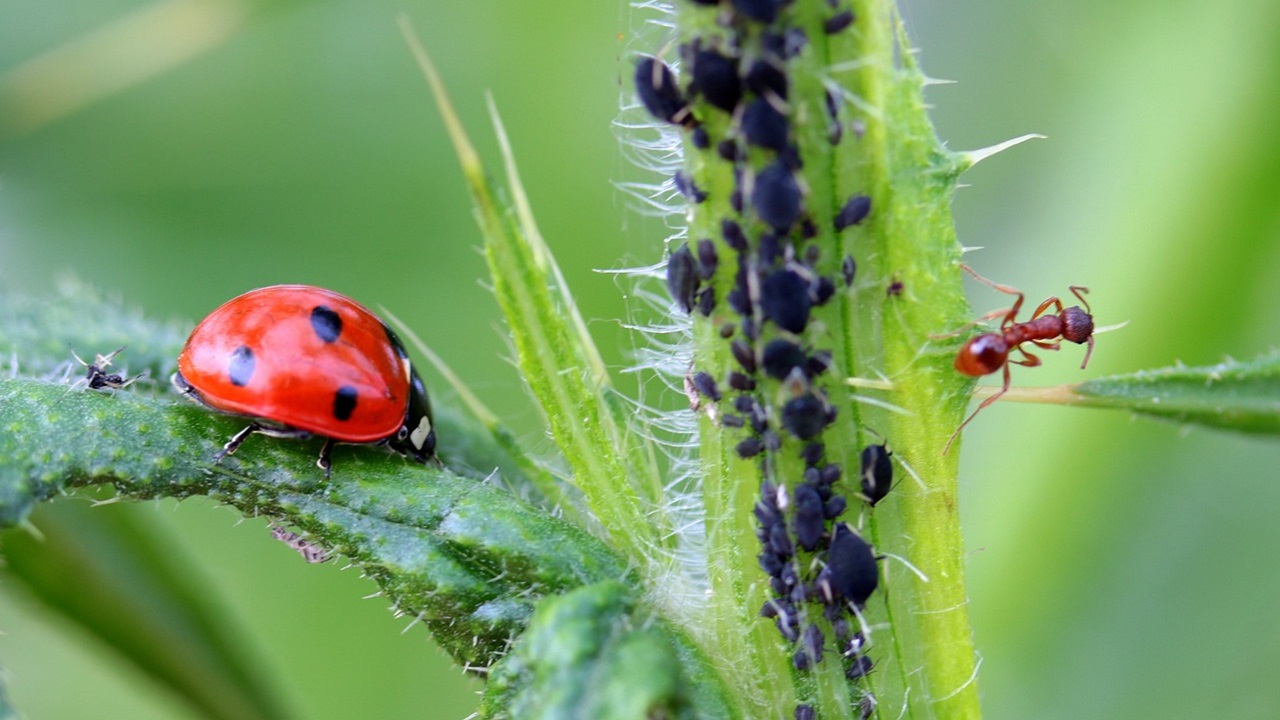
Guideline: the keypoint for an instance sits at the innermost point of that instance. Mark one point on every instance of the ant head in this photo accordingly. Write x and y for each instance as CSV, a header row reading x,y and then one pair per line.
x,y
1077,325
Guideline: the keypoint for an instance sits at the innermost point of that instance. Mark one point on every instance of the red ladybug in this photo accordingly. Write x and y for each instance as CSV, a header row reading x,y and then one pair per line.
x,y
301,360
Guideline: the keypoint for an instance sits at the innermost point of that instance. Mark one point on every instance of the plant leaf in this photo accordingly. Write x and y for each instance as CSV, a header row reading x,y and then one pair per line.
x,y
590,653
1233,395
556,355
117,580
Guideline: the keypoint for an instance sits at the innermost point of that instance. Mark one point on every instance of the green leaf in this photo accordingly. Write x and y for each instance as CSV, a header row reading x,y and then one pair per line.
x,y
555,353
1240,396
464,555
121,583
7,711
594,653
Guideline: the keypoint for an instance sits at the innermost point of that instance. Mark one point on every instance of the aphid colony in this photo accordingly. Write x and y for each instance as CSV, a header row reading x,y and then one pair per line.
x,y
760,282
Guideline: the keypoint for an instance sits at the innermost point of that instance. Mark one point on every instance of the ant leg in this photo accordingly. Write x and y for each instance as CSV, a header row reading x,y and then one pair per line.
x,y
1079,292
234,443
989,316
1017,304
996,396
1053,302
1087,353
1028,360
1046,344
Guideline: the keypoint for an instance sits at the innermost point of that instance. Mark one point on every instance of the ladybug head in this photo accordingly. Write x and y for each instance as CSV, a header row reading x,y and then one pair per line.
x,y
417,436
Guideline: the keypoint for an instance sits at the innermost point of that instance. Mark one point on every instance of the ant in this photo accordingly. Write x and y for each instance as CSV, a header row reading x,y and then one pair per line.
x,y
989,352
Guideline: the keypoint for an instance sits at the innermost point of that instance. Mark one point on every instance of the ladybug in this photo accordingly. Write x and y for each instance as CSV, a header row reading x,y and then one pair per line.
x,y
300,361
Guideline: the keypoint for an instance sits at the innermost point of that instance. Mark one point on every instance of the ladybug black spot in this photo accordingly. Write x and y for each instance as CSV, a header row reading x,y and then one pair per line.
x,y
344,402
326,323
240,368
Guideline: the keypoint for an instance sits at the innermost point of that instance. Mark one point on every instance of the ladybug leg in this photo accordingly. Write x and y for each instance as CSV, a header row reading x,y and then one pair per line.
x,y
323,462
234,443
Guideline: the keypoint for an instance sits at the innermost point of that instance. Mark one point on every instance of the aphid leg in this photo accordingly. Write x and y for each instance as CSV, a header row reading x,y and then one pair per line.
x,y
234,443
323,462
988,401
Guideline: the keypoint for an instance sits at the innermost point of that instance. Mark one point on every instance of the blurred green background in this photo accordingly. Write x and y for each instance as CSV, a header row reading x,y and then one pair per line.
x,y
1119,568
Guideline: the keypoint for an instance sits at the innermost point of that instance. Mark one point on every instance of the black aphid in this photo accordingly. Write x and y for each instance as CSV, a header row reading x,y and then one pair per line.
x,y
784,298
656,87
700,138
727,330
749,447
855,210
768,249
727,150
716,77
822,290
859,667
682,278
745,404
708,259
806,712
837,22
764,126
809,520
707,385
835,507
741,382
851,573
731,420
835,131
813,453
877,473
848,269
687,188
733,235
818,363
766,11
776,197
707,301
743,354
764,78
780,357
813,642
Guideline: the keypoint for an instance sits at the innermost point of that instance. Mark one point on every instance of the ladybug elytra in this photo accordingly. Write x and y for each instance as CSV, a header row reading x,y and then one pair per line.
x,y
300,361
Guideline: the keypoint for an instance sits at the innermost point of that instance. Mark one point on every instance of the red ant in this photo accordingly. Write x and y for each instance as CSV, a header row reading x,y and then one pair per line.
x,y
989,352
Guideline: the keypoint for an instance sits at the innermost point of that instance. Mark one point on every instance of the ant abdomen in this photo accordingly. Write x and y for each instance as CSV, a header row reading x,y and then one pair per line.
x,y
982,355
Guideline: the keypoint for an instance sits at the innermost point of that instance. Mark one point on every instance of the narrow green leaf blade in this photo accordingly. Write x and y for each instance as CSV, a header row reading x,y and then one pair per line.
x,y
120,583
557,357
1233,395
